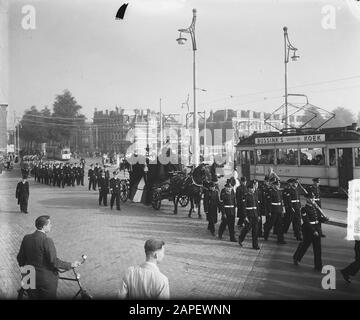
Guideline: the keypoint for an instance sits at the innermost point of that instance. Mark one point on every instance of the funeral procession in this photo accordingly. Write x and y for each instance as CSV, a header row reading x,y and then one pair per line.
x,y
177,150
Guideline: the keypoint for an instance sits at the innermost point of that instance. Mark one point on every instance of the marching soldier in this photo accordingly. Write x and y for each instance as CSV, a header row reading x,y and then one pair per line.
x,y
103,189
277,211
314,189
22,194
212,203
228,201
251,220
264,205
292,207
240,200
115,191
91,177
311,233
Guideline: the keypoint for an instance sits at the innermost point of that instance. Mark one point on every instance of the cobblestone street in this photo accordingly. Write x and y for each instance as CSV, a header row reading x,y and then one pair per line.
x,y
197,264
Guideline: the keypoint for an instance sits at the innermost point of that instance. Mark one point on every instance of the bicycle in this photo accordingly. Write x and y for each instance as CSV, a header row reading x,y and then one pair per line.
x,y
84,295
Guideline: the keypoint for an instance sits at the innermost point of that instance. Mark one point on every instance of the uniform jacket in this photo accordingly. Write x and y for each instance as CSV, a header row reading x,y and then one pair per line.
x,y
251,204
276,198
309,216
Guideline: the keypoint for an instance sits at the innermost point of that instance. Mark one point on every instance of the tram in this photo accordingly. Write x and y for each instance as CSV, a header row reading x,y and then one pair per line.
x,y
58,153
332,154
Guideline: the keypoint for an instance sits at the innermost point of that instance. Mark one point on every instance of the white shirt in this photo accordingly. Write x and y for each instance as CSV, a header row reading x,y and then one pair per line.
x,y
144,282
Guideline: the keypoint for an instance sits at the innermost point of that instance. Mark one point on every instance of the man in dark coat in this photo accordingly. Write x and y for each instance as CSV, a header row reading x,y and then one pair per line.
x,y
115,191
39,251
22,194
212,203
103,184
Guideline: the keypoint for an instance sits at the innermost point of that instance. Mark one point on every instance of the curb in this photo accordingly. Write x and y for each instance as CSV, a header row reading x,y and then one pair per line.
x,y
337,224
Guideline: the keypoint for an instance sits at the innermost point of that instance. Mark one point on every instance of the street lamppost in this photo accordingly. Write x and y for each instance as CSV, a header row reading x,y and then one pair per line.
x,y
288,47
182,40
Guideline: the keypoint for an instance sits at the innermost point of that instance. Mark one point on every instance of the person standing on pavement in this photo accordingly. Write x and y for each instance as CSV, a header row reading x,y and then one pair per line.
x,y
146,280
92,177
251,221
353,268
22,194
115,191
228,202
103,189
212,203
38,250
311,234
314,189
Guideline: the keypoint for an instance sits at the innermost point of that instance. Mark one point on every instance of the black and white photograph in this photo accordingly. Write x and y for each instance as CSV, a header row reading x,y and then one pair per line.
x,y
198,150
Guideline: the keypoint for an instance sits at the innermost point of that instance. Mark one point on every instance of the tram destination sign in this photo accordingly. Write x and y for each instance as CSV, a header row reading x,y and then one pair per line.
x,y
309,138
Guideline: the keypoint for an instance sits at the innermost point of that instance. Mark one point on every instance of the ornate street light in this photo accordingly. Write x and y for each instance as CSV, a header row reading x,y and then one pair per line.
x,y
288,47
182,40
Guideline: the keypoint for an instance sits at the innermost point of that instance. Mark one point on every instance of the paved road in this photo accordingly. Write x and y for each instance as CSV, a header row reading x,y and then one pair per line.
x,y
197,264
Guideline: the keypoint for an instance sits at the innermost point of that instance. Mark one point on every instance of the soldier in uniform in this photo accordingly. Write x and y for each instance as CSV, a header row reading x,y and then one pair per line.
x,y
115,191
60,175
264,205
50,173
103,189
314,189
81,173
292,207
240,200
228,202
212,203
251,220
97,175
311,233
277,211
22,194
92,177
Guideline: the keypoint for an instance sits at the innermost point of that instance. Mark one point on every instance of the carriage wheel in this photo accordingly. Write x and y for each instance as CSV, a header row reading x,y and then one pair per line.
x,y
156,200
184,200
124,191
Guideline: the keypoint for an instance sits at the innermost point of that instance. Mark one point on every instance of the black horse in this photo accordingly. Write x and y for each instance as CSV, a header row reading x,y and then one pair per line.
x,y
192,186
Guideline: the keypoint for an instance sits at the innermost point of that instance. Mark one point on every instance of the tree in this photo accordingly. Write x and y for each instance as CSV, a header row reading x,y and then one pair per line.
x,y
66,118
343,117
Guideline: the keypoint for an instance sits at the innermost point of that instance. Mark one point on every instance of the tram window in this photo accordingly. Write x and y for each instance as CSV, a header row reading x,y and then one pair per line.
x,y
357,157
287,156
332,157
312,157
265,156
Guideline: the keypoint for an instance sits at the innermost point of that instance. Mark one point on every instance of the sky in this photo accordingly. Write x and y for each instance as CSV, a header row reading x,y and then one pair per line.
x,y
132,63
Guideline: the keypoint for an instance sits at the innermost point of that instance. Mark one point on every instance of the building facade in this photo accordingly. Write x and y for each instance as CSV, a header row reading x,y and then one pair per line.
x,y
3,128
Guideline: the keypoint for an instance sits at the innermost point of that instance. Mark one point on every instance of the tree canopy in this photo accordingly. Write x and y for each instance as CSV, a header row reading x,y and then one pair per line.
x,y
56,126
